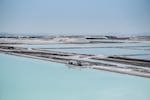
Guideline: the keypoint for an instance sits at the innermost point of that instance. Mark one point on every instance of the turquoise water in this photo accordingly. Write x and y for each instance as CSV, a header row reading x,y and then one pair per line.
x,y
31,79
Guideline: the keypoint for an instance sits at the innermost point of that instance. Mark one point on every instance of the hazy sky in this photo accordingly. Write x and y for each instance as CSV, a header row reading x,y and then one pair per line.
x,y
74,16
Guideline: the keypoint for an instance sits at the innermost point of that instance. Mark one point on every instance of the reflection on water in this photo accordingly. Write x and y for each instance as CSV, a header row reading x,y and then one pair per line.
x,y
30,79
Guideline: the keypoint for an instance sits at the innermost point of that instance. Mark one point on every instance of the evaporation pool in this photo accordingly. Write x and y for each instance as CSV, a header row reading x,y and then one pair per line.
x,y
31,79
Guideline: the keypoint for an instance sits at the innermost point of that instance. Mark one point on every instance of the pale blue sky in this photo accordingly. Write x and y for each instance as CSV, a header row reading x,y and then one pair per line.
x,y
75,16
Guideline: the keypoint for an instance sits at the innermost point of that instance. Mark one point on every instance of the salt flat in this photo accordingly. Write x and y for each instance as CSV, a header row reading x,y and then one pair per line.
x,y
111,53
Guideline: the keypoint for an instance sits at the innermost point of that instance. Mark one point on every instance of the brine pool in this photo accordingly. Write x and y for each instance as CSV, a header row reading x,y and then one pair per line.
x,y
108,49
31,79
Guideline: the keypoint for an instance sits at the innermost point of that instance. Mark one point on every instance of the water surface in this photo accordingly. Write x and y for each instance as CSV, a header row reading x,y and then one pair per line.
x,y
31,79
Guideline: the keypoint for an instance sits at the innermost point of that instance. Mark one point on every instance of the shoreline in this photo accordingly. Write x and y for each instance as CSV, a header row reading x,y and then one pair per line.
x,y
83,60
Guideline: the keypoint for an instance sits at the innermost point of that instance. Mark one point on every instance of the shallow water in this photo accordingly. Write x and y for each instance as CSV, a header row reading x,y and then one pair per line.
x,y
106,51
31,79
101,48
147,57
